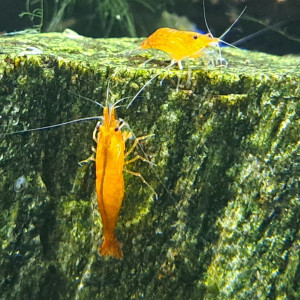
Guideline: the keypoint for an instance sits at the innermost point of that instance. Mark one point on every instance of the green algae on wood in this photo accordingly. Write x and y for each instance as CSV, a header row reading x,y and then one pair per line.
x,y
226,147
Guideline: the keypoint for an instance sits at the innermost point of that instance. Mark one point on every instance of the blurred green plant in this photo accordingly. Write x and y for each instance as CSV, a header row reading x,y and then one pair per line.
x,y
110,12
101,18
36,16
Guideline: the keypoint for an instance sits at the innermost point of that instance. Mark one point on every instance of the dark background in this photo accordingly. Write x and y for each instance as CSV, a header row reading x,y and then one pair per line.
x,y
117,18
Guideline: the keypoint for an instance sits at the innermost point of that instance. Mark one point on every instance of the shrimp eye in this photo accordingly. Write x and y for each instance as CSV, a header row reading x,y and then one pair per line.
x,y
195,37
116,128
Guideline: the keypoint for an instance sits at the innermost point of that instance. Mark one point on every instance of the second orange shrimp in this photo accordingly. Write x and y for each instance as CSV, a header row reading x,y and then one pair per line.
x,y
180,45
110,162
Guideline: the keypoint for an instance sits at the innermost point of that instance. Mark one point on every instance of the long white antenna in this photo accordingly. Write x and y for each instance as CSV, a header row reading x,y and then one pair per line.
x,y
149,81
85,98
204,15
53,126
228,29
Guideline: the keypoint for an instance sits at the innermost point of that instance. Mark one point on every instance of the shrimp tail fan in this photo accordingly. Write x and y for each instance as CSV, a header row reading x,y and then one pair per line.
x,y
111,247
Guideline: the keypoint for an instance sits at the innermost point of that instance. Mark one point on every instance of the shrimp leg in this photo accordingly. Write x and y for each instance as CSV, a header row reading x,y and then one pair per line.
x,y
137,140
143,180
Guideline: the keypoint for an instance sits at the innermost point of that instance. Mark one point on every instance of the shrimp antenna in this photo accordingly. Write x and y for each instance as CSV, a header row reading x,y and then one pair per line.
x,y
259,32
149,81
226,31
107,97
229,28
54,126
107,92
204,15
115,105
206,24
85,98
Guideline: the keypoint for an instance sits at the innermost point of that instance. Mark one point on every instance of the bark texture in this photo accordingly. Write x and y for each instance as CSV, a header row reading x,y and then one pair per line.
x,y
226,145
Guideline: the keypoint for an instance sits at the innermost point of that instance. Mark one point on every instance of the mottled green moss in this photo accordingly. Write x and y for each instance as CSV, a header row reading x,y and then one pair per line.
x,y
226,145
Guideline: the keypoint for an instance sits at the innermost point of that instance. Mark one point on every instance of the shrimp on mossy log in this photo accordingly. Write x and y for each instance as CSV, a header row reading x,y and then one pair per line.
x,y
110,161
180,45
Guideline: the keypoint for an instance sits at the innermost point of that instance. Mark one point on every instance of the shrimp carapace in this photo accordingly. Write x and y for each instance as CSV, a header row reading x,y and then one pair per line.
x,y
179,44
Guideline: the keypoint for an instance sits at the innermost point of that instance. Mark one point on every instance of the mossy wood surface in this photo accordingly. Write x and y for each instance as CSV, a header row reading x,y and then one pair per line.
x,y
226,145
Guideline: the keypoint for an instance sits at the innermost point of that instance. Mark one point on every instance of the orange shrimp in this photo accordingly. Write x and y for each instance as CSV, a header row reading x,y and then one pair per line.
x,y
179,44
110,161
109,179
